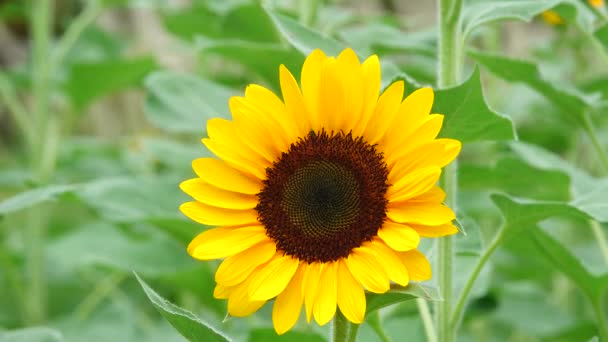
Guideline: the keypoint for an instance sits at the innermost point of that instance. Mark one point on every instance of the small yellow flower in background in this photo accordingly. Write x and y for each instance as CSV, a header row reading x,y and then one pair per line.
x,y
552,18
596,3
322,194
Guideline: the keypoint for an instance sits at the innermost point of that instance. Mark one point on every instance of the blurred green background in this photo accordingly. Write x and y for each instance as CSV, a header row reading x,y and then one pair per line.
x,y
103,105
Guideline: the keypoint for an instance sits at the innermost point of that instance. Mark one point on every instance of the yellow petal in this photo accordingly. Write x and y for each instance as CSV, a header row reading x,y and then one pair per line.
x,y
221,291
221,175
237,268
351,297
254,131
256,169
239,303
435,231
332,98
294,102
324,308
438,153
350,73
310,283
311,74
426,213
223,132
287,306
398,236
222,242
368,270
422,135
413,112
417,265
209,194
414,184
214,216
435,194
272,279
272,112
388,258
370,70
385,112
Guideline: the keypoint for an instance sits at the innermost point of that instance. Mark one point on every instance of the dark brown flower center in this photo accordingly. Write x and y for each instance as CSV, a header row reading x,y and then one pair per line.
x,y
324,196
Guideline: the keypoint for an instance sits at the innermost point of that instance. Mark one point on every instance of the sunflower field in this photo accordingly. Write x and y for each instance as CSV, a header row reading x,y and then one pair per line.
x,y
303,170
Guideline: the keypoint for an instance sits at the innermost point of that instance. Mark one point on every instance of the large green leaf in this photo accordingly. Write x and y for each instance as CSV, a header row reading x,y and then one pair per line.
x,y
269,335
567,263
32,197
385,38
523,215
36,334
116,249
601,34
467,115
399,294
545,160
569,101
303,39
517,178
589,194
481,13
90,80
183,103
185,322
247,54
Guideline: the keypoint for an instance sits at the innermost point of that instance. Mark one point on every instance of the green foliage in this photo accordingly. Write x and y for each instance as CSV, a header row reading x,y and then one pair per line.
x,y
190,326
467,116
531,258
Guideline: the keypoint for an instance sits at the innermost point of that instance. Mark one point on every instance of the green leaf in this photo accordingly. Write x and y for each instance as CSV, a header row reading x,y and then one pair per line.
x,y
193,21
269,335
482,13
183,103
249,22
520,214
143,199
545,160
601,34
302,38
36,334
33,197
384,38
185,322
399,294
567,263
590,195
513,70
120,251
516,178
467,115
89,80
594,202
247,54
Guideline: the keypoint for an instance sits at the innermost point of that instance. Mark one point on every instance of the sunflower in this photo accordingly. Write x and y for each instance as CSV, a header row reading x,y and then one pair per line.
x,y
320,195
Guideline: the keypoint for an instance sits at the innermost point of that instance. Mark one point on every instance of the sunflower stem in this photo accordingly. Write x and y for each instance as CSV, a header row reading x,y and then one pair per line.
x,y
450,63
35,232
343,329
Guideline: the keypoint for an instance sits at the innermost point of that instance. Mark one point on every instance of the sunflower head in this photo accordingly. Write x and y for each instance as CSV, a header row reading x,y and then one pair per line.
x,y
322,193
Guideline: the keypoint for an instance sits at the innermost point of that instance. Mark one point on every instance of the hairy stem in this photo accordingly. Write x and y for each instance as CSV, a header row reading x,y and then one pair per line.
x,y
342,329
450,64
35,230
